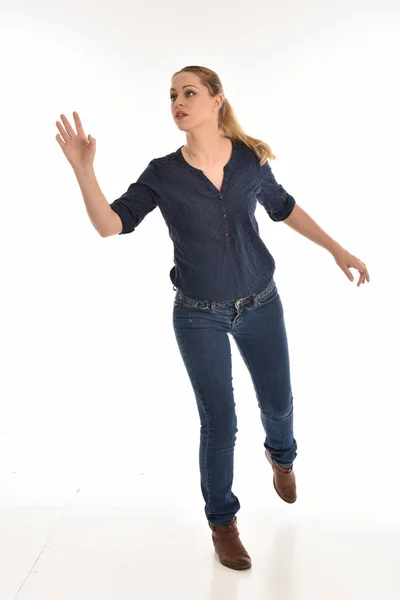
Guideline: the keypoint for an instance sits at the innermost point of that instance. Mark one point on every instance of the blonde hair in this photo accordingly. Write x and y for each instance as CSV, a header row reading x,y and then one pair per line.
x,y
227,121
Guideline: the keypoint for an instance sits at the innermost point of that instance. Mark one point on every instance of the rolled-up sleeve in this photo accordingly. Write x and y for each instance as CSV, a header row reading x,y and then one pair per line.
x,y
139,200
273,197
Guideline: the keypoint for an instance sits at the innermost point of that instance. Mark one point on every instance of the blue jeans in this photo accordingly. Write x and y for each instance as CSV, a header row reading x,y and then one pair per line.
x,y
257,325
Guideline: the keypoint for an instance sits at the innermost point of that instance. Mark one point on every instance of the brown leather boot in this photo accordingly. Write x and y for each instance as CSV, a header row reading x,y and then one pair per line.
x,y
284,480
228,546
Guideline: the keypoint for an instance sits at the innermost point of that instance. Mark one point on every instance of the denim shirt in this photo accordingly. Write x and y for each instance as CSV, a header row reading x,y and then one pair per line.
x,y
218,252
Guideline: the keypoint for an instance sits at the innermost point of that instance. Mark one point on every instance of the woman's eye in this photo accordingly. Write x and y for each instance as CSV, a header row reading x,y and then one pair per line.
x,y
188,92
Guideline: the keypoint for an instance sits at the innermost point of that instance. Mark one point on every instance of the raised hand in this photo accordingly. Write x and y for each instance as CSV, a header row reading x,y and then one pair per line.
x,y
79,149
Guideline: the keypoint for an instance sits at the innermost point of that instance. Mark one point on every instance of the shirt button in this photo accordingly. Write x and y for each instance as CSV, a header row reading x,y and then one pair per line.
x,y
226,233
221,197
224,215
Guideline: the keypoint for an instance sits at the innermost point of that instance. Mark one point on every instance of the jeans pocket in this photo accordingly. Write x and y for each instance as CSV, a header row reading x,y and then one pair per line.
x,y
267,294
183,301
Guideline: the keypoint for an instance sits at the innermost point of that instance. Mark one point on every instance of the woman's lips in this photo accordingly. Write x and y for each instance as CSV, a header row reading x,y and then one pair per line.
x,y
181,117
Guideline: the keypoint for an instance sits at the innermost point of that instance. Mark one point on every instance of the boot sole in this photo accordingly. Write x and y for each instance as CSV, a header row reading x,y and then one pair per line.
x,y
235,568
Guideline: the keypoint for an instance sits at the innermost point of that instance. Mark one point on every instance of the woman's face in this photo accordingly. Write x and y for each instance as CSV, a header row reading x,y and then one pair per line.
x,y
190,96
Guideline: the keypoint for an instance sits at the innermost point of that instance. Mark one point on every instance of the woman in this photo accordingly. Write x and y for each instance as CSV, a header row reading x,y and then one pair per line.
x,y
207,192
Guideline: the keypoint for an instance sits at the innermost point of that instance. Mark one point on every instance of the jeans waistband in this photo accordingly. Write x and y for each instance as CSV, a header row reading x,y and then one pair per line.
x,y
212,304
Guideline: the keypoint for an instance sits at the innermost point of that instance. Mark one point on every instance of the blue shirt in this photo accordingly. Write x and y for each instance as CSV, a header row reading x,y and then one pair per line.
x,y
218,252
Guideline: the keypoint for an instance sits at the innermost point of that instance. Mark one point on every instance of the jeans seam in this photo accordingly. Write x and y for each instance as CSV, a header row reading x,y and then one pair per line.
x,y
249,369
208,425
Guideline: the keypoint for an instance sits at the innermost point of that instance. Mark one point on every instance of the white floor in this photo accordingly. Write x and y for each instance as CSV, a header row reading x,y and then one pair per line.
x,y
110,530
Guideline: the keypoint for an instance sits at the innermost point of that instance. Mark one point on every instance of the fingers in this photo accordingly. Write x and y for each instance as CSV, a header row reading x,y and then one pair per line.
x,y
62,131
69,132
349,274
364,270
68,126
78,124
363,276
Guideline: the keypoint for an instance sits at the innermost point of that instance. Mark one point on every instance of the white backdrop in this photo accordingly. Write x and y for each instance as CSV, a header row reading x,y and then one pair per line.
x,y
93,387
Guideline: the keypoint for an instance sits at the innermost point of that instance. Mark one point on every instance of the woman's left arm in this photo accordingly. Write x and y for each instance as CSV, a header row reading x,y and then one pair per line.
x,y
301,222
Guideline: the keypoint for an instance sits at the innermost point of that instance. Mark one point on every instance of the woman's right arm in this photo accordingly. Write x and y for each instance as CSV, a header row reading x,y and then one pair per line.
x,y
80,151
103,218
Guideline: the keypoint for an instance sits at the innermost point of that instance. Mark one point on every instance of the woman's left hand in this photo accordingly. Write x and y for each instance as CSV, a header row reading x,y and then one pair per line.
x,y
345,260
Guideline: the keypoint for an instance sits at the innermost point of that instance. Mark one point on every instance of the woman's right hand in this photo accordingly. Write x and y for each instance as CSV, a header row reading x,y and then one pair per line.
x,y
78,149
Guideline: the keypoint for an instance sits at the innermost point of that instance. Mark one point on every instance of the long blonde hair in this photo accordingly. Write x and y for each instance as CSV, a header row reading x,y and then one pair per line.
x,y
227,121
